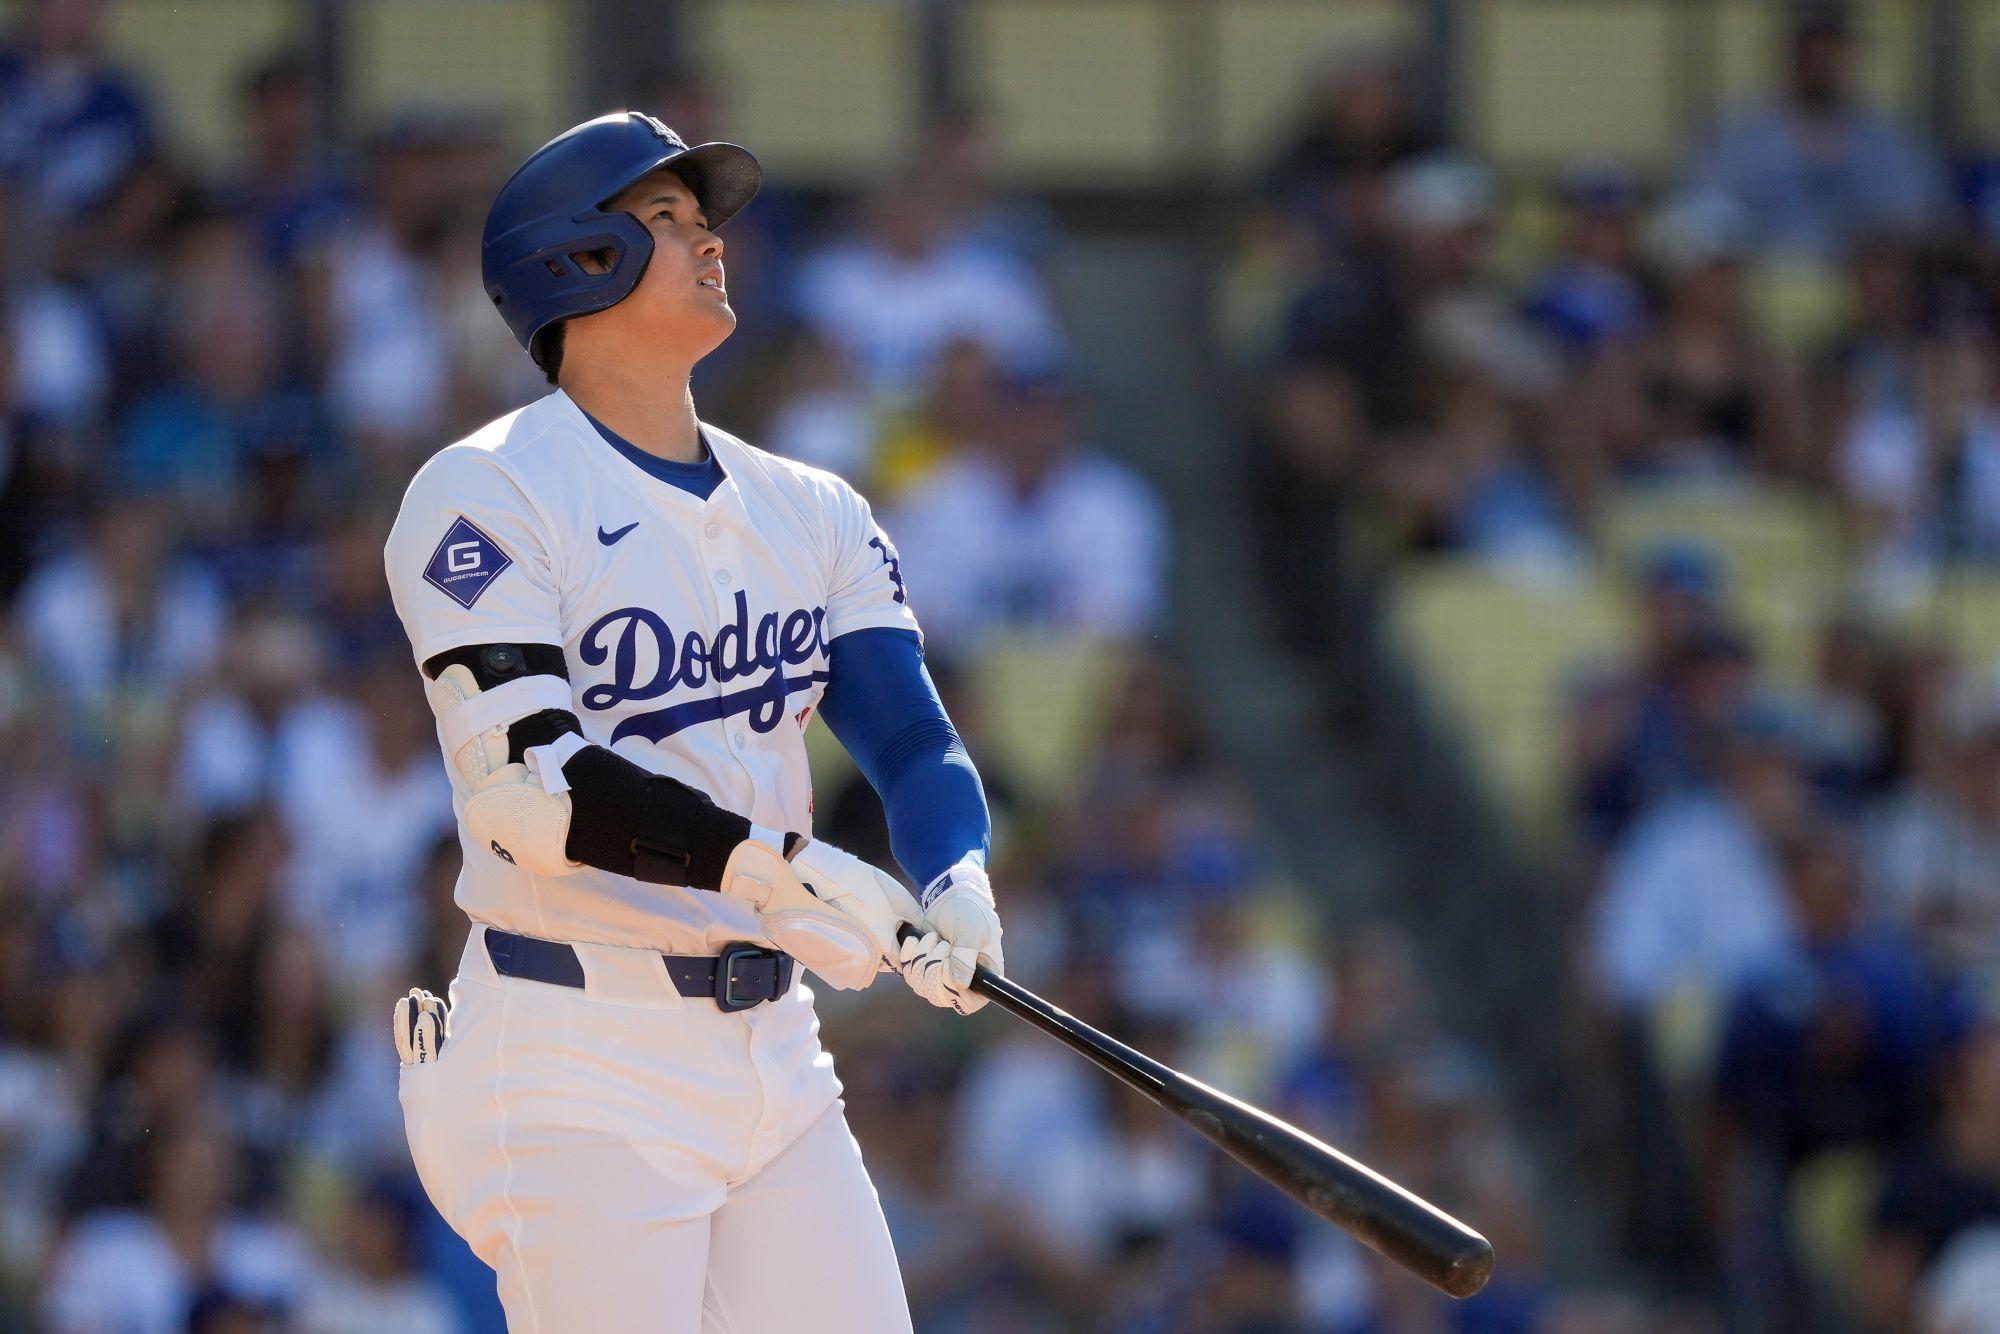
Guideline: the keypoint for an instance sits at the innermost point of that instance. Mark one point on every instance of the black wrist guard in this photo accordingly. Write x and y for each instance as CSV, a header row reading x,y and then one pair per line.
x,y
646,825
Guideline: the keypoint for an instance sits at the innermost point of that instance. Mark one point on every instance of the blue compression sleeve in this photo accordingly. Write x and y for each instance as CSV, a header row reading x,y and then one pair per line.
x,y
881,704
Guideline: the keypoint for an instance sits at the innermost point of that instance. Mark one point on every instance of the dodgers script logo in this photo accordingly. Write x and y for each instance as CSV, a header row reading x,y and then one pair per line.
x,y
628,637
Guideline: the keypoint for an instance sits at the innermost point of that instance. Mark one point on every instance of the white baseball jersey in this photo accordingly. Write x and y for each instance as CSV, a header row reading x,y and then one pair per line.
x,y
696,633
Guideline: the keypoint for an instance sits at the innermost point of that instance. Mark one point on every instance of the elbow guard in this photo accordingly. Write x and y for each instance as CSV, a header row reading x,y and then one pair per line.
x,y
513,805
547,801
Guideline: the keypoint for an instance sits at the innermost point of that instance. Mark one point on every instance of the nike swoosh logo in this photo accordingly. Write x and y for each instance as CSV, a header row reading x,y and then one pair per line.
x,y
608,538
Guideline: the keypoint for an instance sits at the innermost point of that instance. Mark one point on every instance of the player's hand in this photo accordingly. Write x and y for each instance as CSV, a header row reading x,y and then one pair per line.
x,y
833,943
963,933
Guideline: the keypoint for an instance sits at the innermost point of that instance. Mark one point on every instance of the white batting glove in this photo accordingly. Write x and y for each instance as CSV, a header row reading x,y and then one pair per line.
x,y
964,932
421,1023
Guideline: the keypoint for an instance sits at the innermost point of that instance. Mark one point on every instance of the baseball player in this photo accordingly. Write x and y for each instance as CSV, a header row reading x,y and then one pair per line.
x,y
624,618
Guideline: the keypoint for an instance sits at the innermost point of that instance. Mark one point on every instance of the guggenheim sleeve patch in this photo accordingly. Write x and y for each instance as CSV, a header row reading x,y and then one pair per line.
x,y
465,562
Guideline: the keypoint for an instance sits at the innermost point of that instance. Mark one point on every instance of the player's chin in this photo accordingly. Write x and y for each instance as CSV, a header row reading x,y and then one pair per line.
x,y
701,332
716,315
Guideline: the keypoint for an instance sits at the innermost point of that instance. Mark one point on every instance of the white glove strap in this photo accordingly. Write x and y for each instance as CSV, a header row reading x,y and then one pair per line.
x,y
505,703
965,876
547,761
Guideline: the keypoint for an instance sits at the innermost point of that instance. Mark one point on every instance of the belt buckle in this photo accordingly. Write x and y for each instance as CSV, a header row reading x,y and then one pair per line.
x,y
725,976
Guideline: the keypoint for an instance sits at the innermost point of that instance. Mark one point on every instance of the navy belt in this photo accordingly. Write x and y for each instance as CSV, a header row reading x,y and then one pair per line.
x,y
738,978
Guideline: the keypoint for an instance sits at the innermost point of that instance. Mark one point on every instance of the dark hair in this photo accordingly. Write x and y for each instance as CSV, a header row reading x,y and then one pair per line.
x,y
282,72
549,350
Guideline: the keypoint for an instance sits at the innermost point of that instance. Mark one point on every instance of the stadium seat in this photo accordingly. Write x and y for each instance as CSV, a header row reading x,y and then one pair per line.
x,y
180,50
442,53
814,118
1833,1196
1041,705
1495,653
1782,556
1961,612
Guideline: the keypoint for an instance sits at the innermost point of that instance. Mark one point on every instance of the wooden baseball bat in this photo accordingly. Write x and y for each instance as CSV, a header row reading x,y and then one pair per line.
x,y
1369,1207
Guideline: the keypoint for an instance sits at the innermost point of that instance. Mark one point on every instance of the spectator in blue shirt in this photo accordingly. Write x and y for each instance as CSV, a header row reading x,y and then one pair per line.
x,y
71,126
1820,168
1941,1187
1832,1040
1832,1043
1590,295
196,436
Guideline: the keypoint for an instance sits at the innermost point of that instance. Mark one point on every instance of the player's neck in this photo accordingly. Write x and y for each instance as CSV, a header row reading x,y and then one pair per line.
x,y
652,412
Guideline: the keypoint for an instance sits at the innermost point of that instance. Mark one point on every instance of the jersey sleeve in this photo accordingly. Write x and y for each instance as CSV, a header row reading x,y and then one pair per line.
x,y
469,560
865,590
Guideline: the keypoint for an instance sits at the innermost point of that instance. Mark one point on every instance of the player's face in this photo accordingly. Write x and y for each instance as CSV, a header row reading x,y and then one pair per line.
x,y
682,298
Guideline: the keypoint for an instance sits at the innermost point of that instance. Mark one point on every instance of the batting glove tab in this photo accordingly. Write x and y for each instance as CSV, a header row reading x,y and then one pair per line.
x,y
964,932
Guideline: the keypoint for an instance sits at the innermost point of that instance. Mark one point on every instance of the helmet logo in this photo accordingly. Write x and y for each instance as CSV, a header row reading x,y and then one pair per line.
x,y
660,128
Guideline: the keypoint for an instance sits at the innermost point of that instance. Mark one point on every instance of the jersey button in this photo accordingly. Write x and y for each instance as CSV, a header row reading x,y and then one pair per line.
x,y
723,577
740,740
712,532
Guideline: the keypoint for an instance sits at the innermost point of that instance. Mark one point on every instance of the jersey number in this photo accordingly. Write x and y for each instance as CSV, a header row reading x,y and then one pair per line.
x,y
890,559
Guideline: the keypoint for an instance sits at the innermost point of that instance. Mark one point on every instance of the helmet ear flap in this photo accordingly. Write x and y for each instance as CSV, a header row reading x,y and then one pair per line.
x,y
620,236
565,288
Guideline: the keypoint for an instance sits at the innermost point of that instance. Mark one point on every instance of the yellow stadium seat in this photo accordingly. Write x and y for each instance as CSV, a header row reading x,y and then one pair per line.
x,y
190,56
1961,612
1041,706
828,758
1549,83
1833,1196
1799,304
515,59
1776,526
822,91
1267,51
1495,653
1082,90
1782,556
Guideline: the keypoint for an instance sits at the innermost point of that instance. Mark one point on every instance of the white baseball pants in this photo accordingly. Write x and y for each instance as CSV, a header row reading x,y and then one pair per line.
x,y
628,1159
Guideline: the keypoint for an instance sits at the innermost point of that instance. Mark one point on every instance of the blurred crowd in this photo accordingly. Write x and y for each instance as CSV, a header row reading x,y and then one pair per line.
x,y
228,840
228,843
1810,302
1787,945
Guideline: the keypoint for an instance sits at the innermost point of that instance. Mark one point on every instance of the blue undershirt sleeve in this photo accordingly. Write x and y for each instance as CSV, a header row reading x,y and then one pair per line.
x,y
881,704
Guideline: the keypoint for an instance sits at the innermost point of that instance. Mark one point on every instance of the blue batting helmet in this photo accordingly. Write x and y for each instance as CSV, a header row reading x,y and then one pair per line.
x,y
552,209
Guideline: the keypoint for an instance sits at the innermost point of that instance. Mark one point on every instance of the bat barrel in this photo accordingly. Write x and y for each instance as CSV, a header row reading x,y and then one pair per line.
x,y
1369,1207
1414,1233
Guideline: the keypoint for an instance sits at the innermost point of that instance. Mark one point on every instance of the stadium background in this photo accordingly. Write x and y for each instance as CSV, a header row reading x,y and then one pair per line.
x,y
1462,535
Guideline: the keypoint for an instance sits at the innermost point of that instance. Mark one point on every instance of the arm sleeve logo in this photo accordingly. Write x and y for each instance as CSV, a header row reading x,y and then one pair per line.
x,y
465,562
